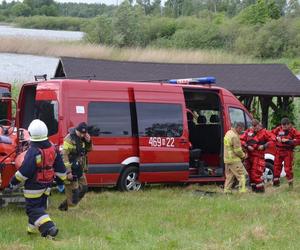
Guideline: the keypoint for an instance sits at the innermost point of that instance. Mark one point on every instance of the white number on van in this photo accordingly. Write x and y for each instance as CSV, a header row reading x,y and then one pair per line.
x,y
162,142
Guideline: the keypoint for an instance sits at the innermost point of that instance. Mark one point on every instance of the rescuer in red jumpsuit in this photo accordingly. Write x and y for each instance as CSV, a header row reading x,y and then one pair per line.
x,y
255,140
287,138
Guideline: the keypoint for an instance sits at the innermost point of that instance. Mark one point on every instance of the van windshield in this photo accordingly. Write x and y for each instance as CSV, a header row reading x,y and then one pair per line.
x,y
47,111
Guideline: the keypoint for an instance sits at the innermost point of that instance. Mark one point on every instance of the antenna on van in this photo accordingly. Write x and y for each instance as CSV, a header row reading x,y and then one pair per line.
x,y
76,77
40,77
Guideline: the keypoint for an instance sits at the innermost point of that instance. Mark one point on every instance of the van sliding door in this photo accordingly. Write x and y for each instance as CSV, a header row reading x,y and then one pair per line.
x,y
162,135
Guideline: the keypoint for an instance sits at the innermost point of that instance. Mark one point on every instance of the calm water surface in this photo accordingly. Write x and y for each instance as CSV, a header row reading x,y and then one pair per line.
x,y
16,68
8,31
22,68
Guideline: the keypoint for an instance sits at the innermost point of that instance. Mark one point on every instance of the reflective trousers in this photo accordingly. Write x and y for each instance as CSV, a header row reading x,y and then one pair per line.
x,y
232,171
37,217
76,190
286,156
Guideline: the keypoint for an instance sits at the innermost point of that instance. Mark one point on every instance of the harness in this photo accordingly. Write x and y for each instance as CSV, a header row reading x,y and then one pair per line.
x,y
44,162
285,134
80,150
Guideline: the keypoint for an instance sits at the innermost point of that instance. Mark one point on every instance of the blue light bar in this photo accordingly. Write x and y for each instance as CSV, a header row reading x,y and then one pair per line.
x,y
200,80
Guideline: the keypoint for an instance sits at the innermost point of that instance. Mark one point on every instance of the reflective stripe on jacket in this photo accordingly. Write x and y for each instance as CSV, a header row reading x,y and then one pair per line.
x,y
71,150
29,193
232,147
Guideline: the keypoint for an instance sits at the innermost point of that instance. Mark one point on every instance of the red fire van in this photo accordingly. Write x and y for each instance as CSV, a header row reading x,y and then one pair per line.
x,y
141,132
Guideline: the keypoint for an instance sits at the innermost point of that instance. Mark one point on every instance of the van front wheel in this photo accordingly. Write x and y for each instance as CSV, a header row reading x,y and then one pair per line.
x,y
129,180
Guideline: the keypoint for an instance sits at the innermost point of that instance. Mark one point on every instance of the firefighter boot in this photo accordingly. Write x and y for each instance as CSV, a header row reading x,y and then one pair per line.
x,y
82,191
48,230
291,185
253,187
276,182
63,206
52,232
260,189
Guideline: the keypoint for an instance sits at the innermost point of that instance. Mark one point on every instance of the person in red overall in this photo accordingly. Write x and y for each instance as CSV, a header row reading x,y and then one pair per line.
x,y
287,138
255,140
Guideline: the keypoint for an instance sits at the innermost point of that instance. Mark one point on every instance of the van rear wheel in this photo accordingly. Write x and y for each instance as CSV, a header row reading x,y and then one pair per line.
x,y
268,173
129,180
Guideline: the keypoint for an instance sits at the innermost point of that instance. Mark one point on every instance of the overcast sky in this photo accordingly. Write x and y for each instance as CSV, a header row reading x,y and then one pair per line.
x,y
84,1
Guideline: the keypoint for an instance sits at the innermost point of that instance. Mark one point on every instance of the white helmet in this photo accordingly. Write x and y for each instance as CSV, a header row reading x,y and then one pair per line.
x,y
38,130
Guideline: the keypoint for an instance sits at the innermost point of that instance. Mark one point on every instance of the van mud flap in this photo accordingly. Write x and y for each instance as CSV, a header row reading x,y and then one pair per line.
x,y
12,198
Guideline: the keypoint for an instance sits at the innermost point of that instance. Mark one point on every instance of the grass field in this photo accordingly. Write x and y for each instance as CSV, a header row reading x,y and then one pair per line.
x,y
162,217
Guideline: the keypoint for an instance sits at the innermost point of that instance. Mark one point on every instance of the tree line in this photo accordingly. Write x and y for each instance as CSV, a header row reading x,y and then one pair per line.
x,y
259,28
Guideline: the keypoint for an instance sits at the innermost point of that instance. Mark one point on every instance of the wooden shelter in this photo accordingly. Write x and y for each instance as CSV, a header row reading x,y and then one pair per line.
x,y
273,85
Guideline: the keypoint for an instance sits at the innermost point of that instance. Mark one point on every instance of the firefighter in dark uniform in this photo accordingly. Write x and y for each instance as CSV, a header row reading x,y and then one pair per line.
x,y
75,148
41,163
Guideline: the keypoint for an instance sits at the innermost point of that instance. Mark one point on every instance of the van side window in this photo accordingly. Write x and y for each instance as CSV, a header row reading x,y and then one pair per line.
x,y
248,121
159,119
236,115
109,118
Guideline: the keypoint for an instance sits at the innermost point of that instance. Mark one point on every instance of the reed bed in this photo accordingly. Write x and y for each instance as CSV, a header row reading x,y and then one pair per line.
x,y
83,50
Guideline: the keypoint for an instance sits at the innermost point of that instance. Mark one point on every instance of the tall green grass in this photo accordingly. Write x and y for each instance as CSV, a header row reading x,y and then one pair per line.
x,y
166,218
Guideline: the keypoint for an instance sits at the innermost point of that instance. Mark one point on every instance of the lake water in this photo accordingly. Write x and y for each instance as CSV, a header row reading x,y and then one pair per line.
x,y
9,31
15,68
22,68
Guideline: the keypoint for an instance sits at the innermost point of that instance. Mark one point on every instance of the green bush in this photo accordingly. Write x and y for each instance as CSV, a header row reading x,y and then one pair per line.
x,y
293,43
99,30
2,18
280,113
129,26
20,9
273,40
52,23
259,13
204,37
163,27
162,43
244,41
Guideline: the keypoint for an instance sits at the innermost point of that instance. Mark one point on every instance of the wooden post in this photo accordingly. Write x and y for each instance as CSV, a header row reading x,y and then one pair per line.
x,y
265,104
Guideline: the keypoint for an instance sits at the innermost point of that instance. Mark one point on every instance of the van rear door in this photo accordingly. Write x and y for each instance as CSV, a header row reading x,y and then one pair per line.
x,y
163,134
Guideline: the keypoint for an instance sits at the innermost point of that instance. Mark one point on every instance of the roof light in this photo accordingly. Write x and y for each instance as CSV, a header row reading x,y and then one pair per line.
x,y
200,80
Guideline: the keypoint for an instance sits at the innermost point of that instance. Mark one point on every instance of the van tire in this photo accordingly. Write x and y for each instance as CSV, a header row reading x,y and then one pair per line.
x,y
268,173
129,180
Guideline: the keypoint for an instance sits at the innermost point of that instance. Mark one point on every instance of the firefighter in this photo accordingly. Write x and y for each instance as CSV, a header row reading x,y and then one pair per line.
x,y
75,148
255,140
41,163
233,156
287,138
